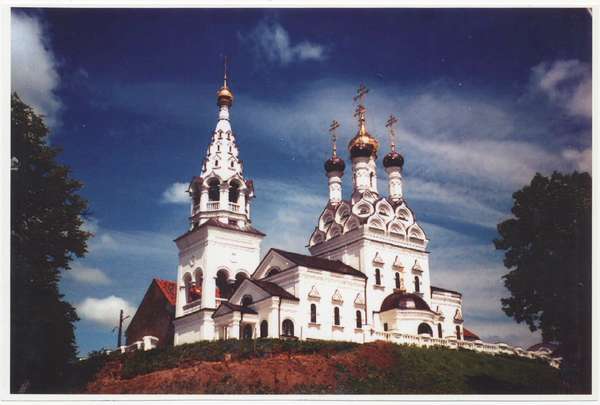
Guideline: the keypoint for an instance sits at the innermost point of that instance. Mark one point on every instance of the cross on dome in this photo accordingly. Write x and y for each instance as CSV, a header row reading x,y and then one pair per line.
x,y
390,123
334,125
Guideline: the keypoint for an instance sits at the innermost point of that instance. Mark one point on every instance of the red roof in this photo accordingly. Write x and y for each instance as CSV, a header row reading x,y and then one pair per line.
x,y
169,288
468,334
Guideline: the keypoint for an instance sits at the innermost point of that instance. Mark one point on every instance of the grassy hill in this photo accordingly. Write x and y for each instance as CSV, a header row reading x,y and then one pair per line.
x,y
273,366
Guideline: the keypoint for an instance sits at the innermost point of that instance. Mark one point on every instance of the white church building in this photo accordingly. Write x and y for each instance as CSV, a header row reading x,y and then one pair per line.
x,y
367,277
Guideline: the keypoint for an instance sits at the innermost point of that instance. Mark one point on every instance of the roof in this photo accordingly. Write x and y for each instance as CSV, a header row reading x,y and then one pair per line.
x,y
274,289
335,266
240,308
553,350
169,288
469,334
216,223
439,289
402,300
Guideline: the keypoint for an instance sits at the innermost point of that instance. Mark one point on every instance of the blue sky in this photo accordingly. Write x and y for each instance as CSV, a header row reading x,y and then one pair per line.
x,y
484,99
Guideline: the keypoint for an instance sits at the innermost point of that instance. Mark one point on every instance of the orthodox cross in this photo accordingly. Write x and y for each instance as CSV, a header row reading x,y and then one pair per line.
x,y
333,127
390,124
362,90
225,68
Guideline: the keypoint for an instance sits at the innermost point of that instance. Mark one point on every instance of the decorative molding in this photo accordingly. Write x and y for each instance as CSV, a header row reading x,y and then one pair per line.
x,y
337,296
398,263
378,259
417,266
458,317
314,293
359,300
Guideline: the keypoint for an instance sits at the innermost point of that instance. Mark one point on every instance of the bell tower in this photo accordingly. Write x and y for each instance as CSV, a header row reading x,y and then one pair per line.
x,y
221,248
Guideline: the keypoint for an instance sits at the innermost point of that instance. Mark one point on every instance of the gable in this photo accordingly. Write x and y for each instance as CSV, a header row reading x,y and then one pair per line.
x,y
272,259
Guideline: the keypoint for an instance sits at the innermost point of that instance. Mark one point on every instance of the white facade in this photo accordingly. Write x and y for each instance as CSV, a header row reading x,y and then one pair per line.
x,y
368,272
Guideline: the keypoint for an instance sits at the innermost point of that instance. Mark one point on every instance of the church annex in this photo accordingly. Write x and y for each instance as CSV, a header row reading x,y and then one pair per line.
x,y
367,276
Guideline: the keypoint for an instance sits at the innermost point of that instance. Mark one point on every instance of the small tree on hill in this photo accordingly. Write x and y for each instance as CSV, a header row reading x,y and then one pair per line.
x,y
549,252
45,234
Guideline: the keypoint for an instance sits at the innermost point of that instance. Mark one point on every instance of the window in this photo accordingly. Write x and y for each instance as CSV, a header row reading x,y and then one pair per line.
x,y
222,284
272,272
385,327
440,330
359,319
264,329
233,193
213,190
377,277
247,332
217,163
417,284
313,313
246,301
424,329
458,334
398,281
287,328
336,316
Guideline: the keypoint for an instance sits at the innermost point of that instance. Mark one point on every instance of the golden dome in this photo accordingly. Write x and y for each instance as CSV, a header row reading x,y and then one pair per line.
x,y
224,96
363,144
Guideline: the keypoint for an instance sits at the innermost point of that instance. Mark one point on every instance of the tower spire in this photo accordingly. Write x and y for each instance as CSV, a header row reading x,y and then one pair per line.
x,y
390,124
334,125
225,71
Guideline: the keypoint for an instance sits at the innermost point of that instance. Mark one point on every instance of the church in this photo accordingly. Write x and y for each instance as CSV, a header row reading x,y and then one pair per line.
x,y
367,276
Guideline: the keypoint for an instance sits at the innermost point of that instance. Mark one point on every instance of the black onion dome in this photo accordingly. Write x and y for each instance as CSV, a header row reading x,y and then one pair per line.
x,y
393,159
334,164
402,300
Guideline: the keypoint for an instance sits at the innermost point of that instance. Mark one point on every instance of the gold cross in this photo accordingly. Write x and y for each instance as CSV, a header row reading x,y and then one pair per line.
x,y
390,124
225,68
359,113
362,90
333,127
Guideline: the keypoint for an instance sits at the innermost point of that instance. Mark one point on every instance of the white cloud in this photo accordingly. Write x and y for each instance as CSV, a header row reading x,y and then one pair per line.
x,y
566,83
581,160
177,194
272,42
88,275
34,73
105,311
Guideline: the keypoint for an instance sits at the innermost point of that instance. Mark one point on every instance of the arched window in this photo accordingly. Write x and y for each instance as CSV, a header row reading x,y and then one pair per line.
x,y
287,328
233,192
425,329
187,281
218,148
217,163
458,334
336,316
225,289
246,301
377,276
440,330
239,279
358,319
398,281
272,272
247,332
313,313
417,284
213,190
264,329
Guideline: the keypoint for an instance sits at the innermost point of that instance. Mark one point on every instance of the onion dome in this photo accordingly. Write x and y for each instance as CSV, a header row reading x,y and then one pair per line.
x,y
224,97
393,159
402,300
334,164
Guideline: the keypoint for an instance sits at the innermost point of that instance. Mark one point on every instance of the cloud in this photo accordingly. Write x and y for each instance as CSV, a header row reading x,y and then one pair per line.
x,y
581,160
34,73
177,194
567,84
272,42
88,275
105,311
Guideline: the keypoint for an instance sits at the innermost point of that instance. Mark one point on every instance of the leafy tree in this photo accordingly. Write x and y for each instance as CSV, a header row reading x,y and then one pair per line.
x,y
549,251
45,235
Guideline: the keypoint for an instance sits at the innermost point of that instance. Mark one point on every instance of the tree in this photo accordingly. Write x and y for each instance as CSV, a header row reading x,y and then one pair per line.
x,y
46,219
549,253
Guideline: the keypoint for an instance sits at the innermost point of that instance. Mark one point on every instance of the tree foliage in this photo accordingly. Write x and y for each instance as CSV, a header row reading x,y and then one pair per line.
x,y
46,234
549,253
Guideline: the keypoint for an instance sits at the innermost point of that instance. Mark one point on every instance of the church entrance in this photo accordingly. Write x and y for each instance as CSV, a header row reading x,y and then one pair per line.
x,y
247,334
